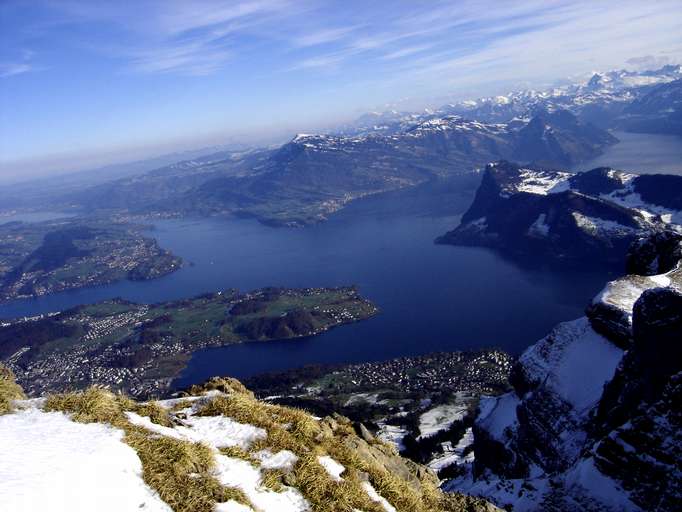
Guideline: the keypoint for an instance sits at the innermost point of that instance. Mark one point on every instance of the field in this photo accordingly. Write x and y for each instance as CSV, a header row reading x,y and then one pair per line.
x,y
140,348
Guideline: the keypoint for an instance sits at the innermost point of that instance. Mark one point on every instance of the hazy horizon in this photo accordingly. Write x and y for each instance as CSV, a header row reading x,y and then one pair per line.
x,y
83,85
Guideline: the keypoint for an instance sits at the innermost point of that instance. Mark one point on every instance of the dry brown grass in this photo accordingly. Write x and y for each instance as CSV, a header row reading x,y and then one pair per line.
x,y
273,479
157,413
9,390
226,385
296,431
93,405
326,494
180,471
239,453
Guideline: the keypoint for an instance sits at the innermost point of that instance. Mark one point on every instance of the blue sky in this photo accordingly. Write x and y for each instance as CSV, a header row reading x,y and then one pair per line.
x,y
83,83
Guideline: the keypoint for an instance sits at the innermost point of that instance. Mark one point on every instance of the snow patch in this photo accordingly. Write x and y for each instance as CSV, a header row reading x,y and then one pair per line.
x,y
542,182
49,462
281,460
240,474
596,226
377,498
333,468
539,228
216,431
440,418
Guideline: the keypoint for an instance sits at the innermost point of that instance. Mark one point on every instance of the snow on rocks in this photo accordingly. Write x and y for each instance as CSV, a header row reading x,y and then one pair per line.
x,y
539,228
497,414
541,182
49,462
393,435
622,293
573,348
454,454
600,227
585,479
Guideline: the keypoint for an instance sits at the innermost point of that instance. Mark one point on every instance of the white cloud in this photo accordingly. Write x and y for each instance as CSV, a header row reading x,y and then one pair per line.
x,y
19,66
406,52
323,36
11,69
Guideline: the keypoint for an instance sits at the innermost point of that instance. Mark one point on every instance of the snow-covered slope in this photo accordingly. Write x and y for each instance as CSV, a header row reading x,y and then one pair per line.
x,y
216,449
593,422
52,463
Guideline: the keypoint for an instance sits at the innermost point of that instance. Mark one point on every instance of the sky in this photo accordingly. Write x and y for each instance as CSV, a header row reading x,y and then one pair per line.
x,y
85,83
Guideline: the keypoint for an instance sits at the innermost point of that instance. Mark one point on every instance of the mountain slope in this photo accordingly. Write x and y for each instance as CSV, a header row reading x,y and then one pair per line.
x,y
314,175
535,213
214,449
594,421
658,111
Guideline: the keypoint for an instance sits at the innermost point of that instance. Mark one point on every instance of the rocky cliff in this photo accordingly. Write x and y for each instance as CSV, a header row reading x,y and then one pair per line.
x,y
559,216
594,420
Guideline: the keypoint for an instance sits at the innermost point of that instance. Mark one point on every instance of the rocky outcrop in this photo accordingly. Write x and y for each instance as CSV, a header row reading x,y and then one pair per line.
x,y
651,261
594,420
533,213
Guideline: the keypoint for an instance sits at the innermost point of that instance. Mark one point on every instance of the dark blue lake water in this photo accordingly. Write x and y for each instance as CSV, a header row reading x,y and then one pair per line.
x,y
432,297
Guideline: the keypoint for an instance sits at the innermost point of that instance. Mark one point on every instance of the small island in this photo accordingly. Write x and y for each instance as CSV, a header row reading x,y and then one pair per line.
x,y
38,259
141,348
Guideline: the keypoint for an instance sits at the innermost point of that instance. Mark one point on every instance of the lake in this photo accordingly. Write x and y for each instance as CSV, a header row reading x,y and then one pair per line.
x,y
641,153
432,297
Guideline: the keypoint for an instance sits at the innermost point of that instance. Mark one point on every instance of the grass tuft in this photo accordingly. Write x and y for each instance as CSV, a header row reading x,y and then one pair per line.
x,y
94,405
181,472
9,390
272,479
239,453
157,413
226,385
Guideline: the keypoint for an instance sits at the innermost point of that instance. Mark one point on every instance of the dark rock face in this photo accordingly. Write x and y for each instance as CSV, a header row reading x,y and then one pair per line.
x,y
660,189
611,321
654,357
625,434
656,254
638,423
535,213
597,181
493,456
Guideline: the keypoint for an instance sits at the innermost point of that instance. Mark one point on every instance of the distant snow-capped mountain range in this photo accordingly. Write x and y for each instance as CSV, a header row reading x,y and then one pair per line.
x,y
600,100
